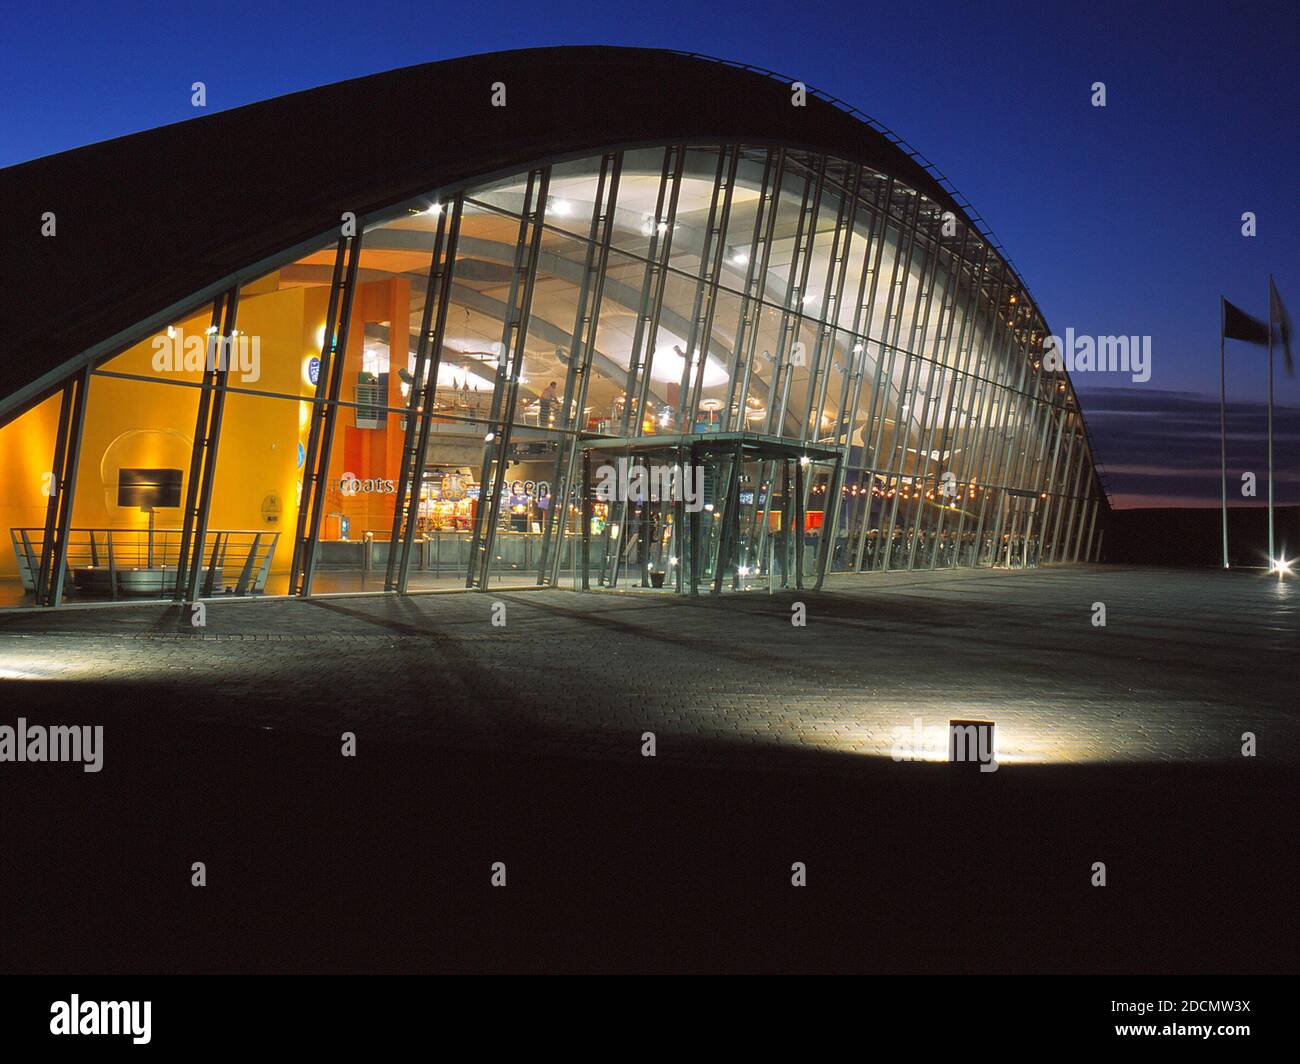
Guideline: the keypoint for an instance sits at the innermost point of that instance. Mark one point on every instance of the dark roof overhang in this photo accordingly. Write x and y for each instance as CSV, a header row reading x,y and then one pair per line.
x,y
145,222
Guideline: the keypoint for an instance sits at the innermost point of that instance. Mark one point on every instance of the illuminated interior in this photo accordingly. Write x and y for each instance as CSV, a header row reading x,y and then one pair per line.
x,y
709,293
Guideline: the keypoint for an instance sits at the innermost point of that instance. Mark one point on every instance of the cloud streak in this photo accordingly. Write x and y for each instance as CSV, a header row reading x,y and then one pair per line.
x,y
1161,448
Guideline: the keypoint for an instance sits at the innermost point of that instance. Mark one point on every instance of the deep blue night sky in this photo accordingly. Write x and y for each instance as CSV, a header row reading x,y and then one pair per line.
x,y
1122,220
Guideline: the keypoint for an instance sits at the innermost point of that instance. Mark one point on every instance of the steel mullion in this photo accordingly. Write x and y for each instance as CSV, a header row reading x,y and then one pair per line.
x,y
54,556
434,360
203,509
852,376
410,480
706,291
522,316
1062,486
783,364
956,389
744,321
755,304
44,572
330,417
877,238
584,334
500,382
641,360
329,351
988,400
1004,394
907,387
1049,509
929,413
198,450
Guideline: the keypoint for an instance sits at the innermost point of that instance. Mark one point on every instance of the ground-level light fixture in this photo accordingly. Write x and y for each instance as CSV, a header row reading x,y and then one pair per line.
x,y
971,744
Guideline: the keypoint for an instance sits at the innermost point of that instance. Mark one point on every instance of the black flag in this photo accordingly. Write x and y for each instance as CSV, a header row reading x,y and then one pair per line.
x,y
1238,325
1277,313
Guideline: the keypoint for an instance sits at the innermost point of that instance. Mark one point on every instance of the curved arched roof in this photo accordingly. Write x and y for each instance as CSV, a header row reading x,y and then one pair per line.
x,y
148,220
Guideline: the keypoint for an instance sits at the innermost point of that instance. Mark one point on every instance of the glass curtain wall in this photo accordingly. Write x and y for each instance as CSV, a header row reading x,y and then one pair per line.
x,y
424,381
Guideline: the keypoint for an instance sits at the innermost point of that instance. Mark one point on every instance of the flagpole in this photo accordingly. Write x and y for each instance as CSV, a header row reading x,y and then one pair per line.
x,y
1223,436
1272,558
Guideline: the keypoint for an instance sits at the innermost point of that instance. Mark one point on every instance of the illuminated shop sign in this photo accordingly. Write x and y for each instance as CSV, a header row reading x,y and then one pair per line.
x,y
350,484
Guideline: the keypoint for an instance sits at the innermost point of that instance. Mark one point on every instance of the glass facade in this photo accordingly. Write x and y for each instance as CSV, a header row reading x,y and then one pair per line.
x,y
849,378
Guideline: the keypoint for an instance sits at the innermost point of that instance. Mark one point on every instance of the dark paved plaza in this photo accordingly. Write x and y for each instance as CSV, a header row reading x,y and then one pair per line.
x,y
522,743
1185,664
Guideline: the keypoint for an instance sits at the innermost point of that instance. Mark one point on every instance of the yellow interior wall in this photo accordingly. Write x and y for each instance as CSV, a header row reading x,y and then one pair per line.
x,y
26,456
151,424
258,455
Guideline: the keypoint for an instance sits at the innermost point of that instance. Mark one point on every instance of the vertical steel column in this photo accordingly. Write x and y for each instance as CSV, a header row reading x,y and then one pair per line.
x,y
190,564
935,381
851,375
994,411
956,388
863,315
1035,439
1071,529
320,439
582,347
791,307
58,510
513,339
797,526
641,358
588,512
700,338
751,304
796,287
424,390
1089,508
202,442
1050,486
906,387
1013,401
1063,484
827,544
1092,521
694,545
725,542
647,332
970,395
500,382
836,273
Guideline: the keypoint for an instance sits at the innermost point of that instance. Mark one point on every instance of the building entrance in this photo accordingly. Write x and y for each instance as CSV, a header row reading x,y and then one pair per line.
x,y
705,513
